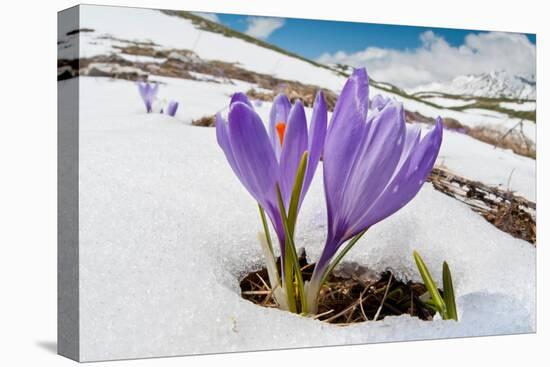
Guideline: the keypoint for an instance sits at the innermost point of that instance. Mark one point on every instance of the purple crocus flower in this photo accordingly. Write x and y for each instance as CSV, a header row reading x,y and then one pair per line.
x,y
378,102
172,108
373,166
263,160
148,93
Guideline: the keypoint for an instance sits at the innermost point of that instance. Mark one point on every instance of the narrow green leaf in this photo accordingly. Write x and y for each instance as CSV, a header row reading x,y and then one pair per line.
x,y
287,261
266,228
289,283
449,293
431,306
430,285
296,193
291,261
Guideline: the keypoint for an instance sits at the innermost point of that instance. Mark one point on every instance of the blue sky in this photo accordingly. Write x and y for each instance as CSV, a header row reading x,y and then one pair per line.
x,y
406,56
312,38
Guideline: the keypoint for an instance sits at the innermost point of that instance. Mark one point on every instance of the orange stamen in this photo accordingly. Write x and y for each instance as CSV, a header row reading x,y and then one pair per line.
x,y
281,127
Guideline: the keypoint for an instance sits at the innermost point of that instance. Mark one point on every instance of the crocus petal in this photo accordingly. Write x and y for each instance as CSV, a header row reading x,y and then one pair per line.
x,y
379,102
148,93
412,137
344,136
142,87
279,113
222,135
294,145
316,138
240,97
269,201
409,179
252,152
154,90
172,108
145,95
373,168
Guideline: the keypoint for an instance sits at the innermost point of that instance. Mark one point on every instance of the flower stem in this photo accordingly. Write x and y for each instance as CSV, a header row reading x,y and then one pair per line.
x,y
320,274
289,281
291,263
266,229
296,193
341,254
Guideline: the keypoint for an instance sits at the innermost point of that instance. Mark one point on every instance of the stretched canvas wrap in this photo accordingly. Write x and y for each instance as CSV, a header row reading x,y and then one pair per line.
x,y
238,183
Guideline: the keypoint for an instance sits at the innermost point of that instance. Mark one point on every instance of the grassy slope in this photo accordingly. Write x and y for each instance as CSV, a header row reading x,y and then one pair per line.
x,y
492,104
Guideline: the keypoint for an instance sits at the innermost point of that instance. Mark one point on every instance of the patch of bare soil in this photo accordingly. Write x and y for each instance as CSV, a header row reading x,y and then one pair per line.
x,y
206,121
513,139
507,211
347,299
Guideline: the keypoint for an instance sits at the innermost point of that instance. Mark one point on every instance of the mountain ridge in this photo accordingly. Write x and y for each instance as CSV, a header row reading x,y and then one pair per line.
x,y
493,84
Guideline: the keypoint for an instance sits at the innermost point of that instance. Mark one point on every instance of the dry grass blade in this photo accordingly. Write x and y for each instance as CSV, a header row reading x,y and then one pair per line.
x,y
383,299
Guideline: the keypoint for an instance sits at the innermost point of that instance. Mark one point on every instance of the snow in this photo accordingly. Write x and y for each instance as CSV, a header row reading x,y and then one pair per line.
x,y
470,117
525,106
487,113
482,162
167,230
174,32
141,58
449,102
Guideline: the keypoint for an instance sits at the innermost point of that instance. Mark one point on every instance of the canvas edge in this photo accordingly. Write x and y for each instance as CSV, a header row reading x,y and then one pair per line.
x,y
68,317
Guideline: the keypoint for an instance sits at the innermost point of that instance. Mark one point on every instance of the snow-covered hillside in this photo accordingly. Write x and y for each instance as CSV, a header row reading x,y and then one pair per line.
x,y
167,231
118,31
176,32
496,84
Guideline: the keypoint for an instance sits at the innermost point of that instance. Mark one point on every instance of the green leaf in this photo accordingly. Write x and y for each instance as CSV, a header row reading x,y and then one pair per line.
x,y
430,285
431,306
291,262
449,293
266,228
289,282
296,193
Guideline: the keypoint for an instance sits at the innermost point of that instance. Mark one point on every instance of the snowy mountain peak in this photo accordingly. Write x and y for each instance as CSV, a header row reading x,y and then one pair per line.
x,y
494,84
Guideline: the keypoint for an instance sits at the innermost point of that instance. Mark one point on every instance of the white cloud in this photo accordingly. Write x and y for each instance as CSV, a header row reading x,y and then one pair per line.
x,y
263,27
213,17
437,61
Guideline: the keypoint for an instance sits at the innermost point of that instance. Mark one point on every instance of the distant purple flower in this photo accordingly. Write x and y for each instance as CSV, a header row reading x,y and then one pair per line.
x,y
148,93
261,160
281,87
258,103
378,102
172,108
373,166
